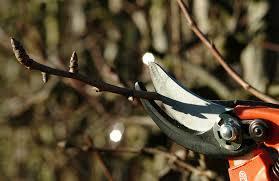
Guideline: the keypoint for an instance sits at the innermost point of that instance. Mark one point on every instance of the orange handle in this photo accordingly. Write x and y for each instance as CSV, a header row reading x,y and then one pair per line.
x,y
256,165
270,115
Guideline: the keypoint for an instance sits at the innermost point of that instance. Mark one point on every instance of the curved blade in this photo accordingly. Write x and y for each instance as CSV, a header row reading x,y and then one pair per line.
x,y
201,142
182,105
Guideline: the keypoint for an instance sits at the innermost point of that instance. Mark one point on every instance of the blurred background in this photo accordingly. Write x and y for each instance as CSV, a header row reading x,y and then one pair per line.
x,y
41,124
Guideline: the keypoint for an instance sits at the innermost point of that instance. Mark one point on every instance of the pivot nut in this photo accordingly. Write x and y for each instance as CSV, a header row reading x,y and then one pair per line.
x,y
228,132
258,130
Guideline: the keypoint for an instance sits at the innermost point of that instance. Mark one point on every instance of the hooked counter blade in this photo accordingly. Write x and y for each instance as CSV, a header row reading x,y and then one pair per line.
x,y
182,105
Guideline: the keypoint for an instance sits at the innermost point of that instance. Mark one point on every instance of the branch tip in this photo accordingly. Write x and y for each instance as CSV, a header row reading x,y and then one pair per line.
x,y
20,53
73,63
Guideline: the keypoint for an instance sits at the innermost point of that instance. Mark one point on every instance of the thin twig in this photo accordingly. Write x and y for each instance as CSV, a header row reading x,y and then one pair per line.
x,y
89,145
271,46
29,63
154,151
104,167
210,45
178,162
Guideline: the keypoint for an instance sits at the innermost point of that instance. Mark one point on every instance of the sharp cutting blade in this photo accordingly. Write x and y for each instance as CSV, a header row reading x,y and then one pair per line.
x,y
182,105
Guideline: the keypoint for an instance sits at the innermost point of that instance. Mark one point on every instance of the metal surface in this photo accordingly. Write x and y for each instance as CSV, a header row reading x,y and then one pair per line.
x,y
216,128
182,105
234,103
275,170
228,132
258,130
235,142
202,142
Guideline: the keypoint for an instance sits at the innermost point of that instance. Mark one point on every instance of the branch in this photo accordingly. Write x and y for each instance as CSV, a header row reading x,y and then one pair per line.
x,y
104,167
29,63
271,46
89,145
179,163
217,55
153,151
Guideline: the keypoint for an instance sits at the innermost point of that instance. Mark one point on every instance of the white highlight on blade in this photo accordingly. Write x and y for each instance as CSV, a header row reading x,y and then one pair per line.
x,y
147,58
115,135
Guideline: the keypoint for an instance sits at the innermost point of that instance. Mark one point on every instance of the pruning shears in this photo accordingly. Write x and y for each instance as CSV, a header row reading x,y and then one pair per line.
x,y
244,132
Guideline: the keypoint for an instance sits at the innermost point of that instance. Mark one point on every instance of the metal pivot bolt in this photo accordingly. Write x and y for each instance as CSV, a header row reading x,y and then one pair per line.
x,y
228,132
258,130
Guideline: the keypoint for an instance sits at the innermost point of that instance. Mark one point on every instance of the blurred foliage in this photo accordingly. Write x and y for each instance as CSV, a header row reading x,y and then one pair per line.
x,y
110,38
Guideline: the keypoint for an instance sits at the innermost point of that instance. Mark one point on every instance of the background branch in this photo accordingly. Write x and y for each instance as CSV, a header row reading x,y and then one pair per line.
x,y
89,145
178,162
218,57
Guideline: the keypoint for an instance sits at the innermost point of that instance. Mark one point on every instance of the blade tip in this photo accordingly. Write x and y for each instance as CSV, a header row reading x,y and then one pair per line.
x,y
147,58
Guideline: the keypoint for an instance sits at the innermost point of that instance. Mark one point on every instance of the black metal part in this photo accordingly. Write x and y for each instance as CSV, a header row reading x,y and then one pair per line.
x,y
202,142
258,130
233,103
275,170
232,122
228,132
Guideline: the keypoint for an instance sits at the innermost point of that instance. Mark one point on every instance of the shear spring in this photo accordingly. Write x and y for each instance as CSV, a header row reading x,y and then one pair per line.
x,y
275,169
